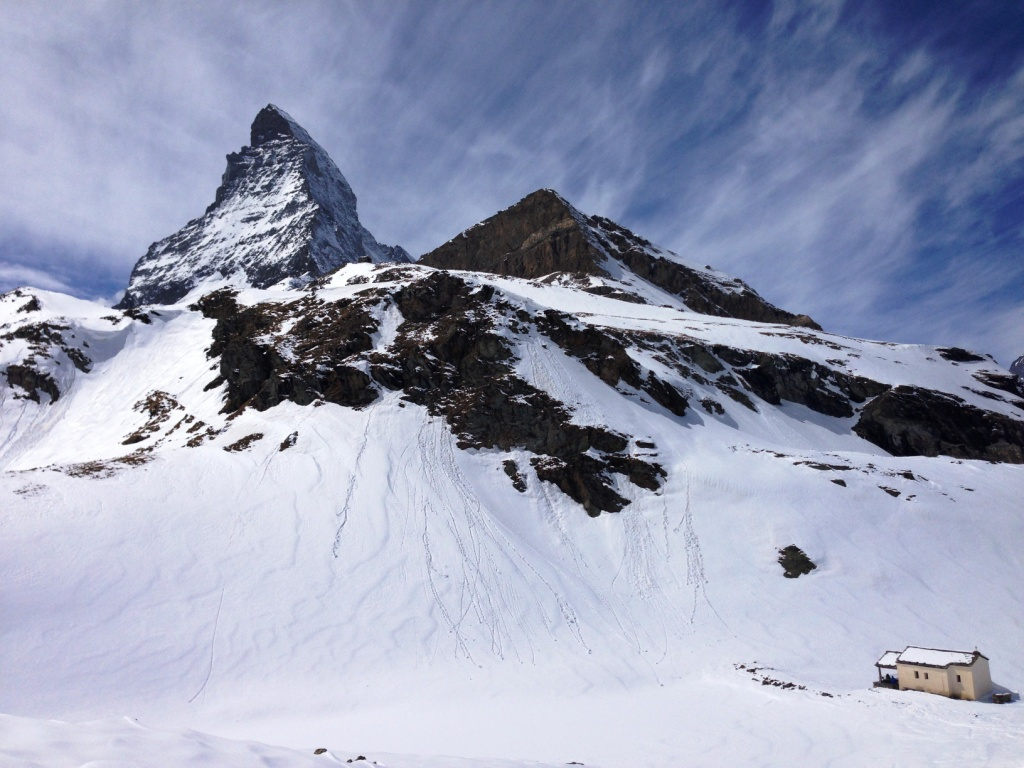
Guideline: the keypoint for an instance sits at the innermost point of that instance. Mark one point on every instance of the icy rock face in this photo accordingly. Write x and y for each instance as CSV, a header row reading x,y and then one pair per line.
x,y
543,234
1017,369
283,211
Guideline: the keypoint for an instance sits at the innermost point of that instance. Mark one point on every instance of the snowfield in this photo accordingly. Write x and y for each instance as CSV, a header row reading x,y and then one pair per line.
x,y
350,579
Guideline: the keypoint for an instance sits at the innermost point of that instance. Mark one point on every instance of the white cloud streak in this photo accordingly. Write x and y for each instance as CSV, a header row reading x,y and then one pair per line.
x,y
763,152
18,275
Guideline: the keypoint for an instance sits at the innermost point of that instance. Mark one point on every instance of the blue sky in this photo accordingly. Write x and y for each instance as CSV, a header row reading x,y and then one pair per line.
x,y
862,162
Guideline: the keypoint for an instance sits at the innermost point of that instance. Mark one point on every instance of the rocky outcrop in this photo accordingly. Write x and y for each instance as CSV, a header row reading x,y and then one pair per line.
x,y
1005,382
958,355
45,339
32,381
538,235
283,211
701,290
312,361
45,346
778,377
795,562
447,355
453,352
909,421
605,355
543,234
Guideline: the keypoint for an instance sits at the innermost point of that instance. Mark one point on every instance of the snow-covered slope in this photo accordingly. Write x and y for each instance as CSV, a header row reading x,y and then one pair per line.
x,y
283,212
525,499
355,517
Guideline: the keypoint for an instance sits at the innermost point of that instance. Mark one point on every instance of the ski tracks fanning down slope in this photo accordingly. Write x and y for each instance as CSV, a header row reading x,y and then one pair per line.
x,y
495,574
485,600
696,577
492,571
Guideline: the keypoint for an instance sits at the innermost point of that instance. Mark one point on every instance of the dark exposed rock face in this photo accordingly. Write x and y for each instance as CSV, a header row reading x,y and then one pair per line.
x,y
272,124
542,234
777,377
958,355
701,291
32,305
773,378
283,211
46,340
538,235
318,366
512,470
453,352
605,355
908,421
1005,382
33,382
446,356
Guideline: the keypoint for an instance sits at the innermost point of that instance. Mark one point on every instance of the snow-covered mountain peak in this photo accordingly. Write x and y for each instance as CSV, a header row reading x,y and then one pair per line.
x,y
271,123
283,212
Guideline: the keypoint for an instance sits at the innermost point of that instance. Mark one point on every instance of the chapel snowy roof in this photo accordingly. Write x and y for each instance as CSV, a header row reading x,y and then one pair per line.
x,y
933,657
889,659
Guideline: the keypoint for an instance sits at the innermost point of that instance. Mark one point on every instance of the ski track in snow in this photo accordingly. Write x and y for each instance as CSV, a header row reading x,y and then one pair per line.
x,y
213,644
354,473
452,618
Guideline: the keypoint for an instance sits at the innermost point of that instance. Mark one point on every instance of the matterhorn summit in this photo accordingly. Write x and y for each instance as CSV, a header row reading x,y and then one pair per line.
x,y
283,212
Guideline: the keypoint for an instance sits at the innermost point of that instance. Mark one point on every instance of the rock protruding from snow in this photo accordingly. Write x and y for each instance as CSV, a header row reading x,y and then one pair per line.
x,y
283,212
910,421
452,354
543,234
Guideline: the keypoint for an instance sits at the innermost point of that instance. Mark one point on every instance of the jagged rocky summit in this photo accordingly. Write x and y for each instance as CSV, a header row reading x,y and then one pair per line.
x,y
283,211
542,235
1017,369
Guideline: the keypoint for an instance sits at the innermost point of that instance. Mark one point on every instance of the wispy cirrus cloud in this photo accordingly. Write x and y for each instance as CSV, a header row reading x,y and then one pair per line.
x,y
14,275
852,160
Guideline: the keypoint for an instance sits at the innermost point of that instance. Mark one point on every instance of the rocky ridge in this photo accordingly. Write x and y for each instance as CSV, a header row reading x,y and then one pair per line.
x,y
283,211
457,345
543,235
